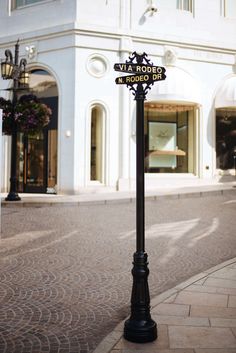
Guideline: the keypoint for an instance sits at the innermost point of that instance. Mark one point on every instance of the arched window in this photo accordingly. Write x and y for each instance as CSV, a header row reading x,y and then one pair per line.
x,y
37,152
225,104
97,145
226,138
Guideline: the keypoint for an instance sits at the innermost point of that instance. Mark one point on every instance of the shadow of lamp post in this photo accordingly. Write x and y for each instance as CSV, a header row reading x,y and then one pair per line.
x,y
16,71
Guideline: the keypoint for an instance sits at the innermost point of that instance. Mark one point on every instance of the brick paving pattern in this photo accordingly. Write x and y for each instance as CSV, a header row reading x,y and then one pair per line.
x,y
196,316
65,271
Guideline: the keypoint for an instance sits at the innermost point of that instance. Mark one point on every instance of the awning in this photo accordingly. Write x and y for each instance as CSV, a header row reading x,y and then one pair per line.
x,y
179,86
226,95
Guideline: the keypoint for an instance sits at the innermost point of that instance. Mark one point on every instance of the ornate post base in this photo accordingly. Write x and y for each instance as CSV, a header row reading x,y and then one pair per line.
x,y
12,196
140,327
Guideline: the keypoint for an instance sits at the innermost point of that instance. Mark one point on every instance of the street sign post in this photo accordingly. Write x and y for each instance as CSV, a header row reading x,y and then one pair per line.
x,y
140,327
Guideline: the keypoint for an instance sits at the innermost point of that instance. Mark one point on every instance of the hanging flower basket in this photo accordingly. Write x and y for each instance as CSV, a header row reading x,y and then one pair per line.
x,y
30,115
6,106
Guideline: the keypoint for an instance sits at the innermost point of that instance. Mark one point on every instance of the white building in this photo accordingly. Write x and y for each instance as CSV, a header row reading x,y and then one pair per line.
x,y
71,47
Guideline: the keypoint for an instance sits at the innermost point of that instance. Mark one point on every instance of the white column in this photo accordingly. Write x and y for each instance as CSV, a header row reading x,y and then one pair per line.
x,y
207,141
125,15
124,100
125,120
66,127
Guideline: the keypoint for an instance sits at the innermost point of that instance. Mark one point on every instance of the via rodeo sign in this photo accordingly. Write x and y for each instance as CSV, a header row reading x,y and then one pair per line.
x,y
144,73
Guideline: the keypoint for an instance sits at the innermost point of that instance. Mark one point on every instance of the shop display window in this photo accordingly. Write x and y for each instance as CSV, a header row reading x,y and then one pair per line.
x,y
169,139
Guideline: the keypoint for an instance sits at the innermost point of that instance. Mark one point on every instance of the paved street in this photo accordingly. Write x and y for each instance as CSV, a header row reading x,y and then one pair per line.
x,y
65,271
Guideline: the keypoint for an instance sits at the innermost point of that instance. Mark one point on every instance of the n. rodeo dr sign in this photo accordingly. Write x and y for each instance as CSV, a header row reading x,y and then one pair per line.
x,y
144,73
148,78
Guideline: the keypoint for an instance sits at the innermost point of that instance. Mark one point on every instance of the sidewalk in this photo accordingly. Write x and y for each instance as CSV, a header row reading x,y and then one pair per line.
x,y
194,189
197,316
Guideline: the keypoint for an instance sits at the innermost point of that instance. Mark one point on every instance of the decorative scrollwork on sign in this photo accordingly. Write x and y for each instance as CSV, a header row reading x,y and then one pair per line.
x,y
143,74
139,90
140,59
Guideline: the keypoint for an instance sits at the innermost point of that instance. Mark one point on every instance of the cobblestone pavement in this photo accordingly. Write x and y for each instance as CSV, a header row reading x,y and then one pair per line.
x,y
65,271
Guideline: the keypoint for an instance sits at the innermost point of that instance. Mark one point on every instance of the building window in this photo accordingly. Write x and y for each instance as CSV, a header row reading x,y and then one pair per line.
x,y
230,8
97,145
185,5
20,3
225,139
169,138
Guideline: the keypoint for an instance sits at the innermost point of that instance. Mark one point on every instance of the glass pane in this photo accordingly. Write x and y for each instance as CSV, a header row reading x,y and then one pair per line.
x,y
183,143
179,4
187,5
52,161
35,159
162,144
93,146
96,145
26,2
19,3
230,8
225,139
167,145
20,161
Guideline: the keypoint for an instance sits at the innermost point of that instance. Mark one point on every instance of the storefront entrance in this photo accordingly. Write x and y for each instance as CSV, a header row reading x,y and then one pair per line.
x,y
37,162
34,169
37,152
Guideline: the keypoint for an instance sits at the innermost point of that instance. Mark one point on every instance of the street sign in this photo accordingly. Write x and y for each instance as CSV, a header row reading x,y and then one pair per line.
x,y
139,68
147,78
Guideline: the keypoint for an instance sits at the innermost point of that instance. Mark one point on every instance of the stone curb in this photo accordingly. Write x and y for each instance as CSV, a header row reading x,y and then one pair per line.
x,y
167,196
106,345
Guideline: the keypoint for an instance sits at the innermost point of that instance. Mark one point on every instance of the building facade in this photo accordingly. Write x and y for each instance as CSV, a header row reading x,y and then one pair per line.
x,y
71,47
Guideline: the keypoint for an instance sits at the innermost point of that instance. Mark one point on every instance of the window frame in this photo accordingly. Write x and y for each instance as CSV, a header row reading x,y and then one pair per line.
x,y
224,10
191,137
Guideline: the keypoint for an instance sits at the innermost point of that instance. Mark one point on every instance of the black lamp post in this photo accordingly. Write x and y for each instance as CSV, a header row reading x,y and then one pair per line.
x,y
140,327
14,71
